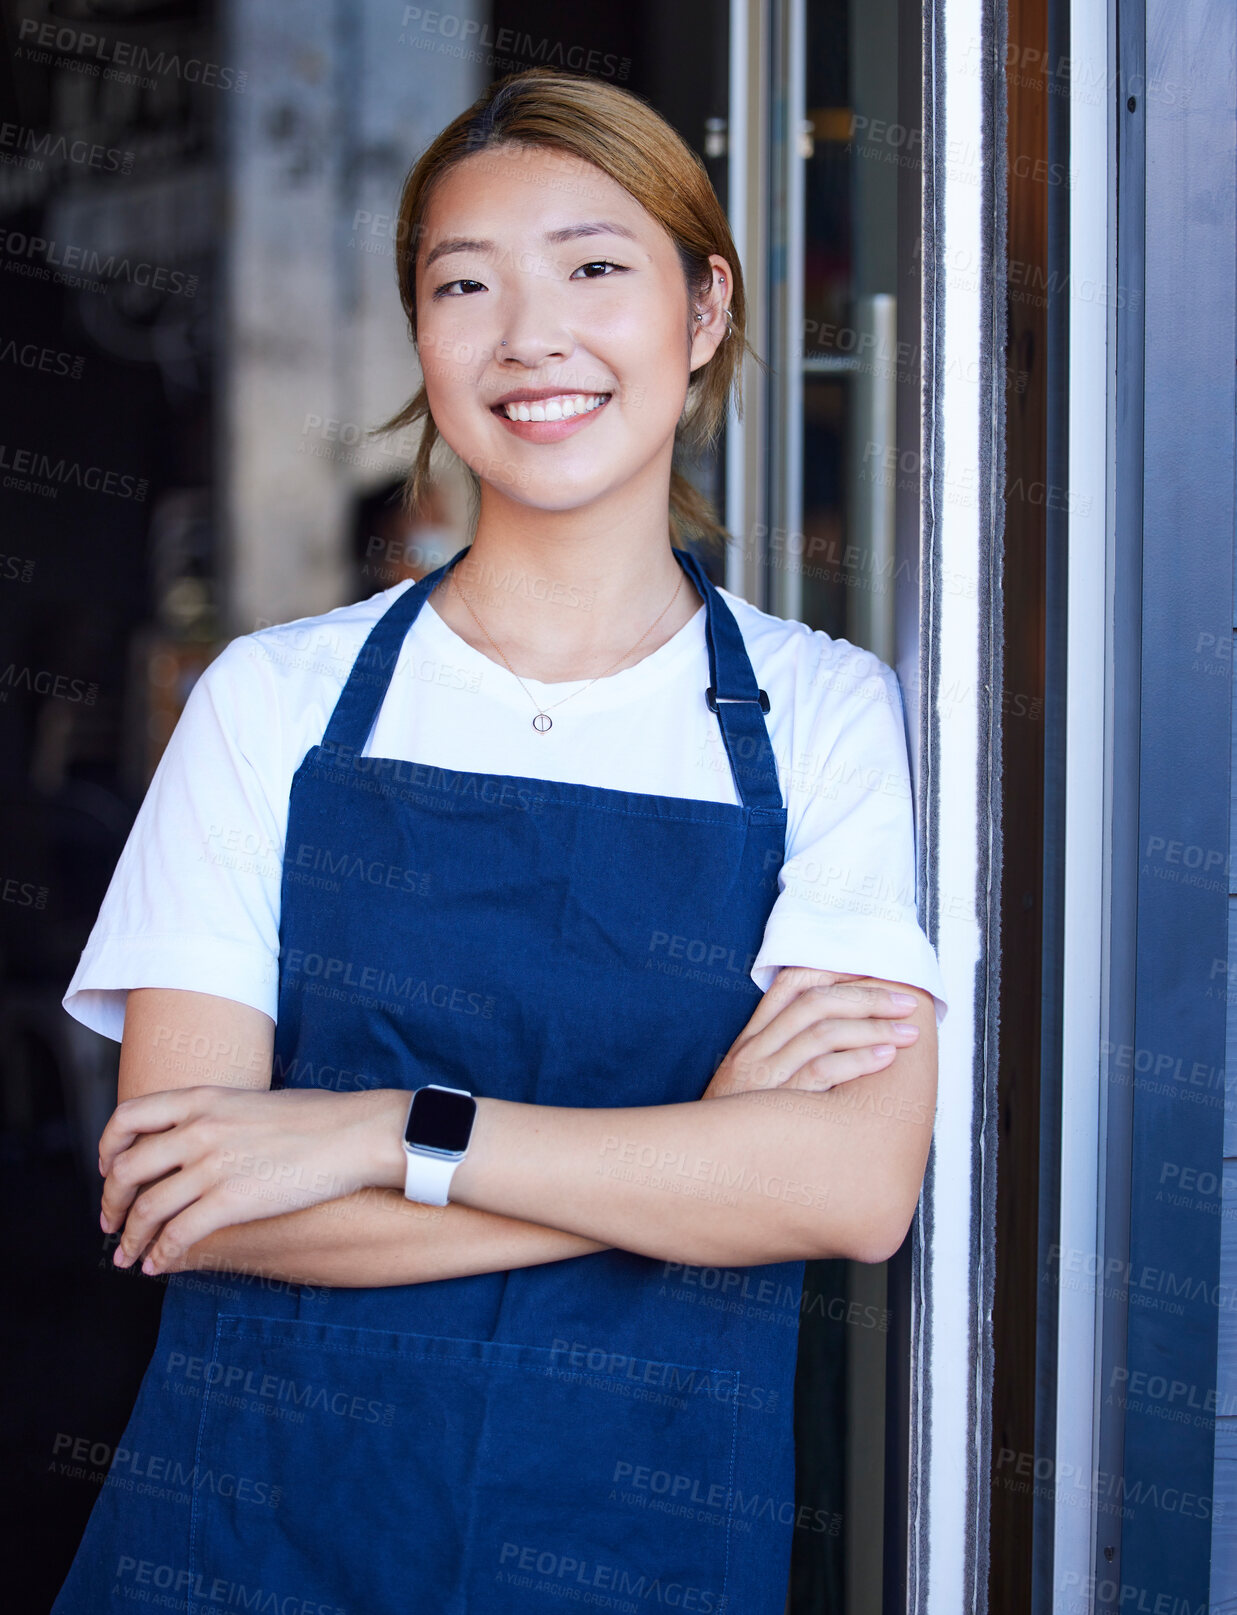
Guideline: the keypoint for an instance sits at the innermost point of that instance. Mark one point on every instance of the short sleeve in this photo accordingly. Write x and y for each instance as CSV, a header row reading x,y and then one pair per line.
x,y
194,899
846,892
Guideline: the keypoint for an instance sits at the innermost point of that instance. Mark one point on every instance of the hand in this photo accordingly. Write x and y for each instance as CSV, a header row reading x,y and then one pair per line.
x,y
183,1163
814,1029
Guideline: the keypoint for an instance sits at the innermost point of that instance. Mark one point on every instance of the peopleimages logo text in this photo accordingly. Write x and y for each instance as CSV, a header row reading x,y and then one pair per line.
x,y
36,256
63,473
123,53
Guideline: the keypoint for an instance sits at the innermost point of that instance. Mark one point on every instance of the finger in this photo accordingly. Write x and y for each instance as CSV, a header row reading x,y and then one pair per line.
x,y
777,1066
152,1157
144,1113
790,981
844,1065
905,987
838,1036
835,1033
854,996
206,1215
110,1224
153,1207
840,1002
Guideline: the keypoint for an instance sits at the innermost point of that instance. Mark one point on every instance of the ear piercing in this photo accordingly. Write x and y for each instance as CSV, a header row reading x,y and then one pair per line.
x,y
729,323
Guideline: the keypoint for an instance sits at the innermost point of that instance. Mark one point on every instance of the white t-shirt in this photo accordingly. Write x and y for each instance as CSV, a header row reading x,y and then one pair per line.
x,y
194,901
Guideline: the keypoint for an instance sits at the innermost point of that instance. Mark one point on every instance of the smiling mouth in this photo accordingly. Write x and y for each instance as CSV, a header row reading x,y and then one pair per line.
x,y
562,407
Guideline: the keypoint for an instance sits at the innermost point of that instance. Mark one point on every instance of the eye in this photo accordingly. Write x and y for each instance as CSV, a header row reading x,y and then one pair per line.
x,y
443,290
598,263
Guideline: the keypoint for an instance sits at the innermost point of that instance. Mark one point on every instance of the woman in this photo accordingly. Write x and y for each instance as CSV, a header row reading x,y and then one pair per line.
x,y
529,837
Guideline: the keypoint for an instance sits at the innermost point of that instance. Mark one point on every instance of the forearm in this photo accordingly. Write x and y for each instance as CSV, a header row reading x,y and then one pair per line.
x,y
776,1171
753,1178
377,1237
374,1237
772,1164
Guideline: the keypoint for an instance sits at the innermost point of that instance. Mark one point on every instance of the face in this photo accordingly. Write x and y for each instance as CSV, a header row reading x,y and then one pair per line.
x,y
545,252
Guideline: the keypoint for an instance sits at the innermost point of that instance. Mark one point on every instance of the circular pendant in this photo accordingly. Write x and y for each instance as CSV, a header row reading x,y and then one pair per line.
x,y
542,722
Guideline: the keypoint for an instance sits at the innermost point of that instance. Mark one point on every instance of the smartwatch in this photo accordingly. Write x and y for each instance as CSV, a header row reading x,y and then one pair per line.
x,y
436,1138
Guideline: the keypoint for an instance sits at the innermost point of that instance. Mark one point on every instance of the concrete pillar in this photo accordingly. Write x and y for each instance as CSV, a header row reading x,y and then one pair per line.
x,y
339,99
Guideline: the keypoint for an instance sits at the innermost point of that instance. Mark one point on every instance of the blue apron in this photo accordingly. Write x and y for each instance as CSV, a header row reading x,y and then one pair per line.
x,y
609,1430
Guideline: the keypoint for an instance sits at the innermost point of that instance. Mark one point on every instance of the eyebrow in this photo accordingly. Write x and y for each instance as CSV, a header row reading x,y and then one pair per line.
x,y
569,232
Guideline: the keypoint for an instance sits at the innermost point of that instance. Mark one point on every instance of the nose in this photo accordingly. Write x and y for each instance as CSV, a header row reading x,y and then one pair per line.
x,y
530,351
531,330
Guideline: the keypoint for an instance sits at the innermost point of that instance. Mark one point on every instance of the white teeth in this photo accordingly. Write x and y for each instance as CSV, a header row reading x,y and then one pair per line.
x,y
560,408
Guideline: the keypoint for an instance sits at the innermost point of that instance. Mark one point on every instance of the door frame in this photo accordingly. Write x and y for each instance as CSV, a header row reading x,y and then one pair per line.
x,y
947,656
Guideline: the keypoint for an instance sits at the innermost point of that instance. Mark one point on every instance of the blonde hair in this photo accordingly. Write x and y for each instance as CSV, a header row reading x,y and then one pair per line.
x,y
621,134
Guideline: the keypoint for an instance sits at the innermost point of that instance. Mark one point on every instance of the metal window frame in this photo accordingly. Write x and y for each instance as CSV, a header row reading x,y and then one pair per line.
x,y
1176,244
747,164
1133,595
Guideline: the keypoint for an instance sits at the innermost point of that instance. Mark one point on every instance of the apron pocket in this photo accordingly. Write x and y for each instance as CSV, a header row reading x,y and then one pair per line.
x,y
460,1476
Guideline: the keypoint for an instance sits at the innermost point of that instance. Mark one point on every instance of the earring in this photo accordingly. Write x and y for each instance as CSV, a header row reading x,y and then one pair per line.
x,y
729,323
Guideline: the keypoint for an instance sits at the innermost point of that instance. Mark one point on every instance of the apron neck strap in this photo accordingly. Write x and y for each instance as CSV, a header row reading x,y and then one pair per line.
x,y
370,678
736,698
733,693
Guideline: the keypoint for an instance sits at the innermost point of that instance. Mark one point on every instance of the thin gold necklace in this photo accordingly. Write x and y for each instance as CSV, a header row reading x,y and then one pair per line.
x,y
542,723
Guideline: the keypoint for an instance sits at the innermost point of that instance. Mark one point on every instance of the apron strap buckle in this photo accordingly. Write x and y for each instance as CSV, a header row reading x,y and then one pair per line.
x,y
712,698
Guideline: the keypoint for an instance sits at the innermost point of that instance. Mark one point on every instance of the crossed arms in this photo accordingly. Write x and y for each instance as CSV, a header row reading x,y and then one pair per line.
x,y
806,1143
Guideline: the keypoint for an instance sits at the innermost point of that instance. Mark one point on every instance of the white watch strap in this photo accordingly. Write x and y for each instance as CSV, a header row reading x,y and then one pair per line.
x,y
427,1177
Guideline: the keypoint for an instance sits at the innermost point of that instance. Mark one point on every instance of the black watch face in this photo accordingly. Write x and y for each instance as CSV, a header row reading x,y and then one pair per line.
x,y
440,1120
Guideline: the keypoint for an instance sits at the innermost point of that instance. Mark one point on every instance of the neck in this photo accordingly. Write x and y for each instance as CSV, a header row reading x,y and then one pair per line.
x,y
563,594
617,549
